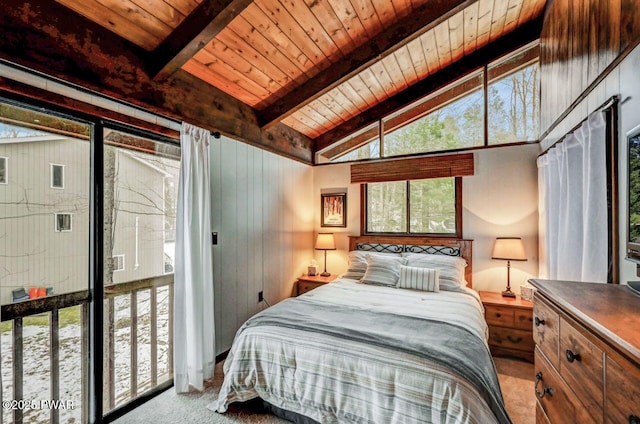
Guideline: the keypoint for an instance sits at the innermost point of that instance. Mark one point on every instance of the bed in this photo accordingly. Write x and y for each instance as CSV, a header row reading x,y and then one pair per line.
x,y
364,349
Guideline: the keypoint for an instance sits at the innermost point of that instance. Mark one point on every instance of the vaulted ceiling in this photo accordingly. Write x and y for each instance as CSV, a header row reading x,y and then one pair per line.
x,y
303,72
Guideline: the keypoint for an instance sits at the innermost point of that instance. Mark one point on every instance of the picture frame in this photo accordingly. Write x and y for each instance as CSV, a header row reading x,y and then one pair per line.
x,y
333,210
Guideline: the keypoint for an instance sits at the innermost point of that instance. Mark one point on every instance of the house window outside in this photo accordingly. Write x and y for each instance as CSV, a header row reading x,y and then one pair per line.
x,y
118,263
57,176
63,222
3,170
428,206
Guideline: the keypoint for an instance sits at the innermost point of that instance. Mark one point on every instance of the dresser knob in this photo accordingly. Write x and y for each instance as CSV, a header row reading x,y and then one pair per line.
x,y
545,390
573,356
633,419
539,322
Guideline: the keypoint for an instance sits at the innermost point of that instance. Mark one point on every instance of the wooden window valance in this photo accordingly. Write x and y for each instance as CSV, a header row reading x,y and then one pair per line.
x,y
458,165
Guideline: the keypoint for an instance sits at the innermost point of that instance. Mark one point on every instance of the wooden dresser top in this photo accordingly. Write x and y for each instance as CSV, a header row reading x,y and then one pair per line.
x,y
612,311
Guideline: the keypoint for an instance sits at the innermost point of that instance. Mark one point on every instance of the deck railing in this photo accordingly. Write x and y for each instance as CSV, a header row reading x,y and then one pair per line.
x,y
156,294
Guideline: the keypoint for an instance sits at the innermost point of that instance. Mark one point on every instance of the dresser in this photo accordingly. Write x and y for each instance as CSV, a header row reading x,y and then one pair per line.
x,y
587,355
307,283
510,322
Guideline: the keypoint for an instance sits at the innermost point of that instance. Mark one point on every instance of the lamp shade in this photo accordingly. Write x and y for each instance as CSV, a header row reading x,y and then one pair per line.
x,y
325,241
509,248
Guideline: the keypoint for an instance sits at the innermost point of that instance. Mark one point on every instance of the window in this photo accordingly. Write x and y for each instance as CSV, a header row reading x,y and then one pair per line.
x,y
427,206
454,121
118,263
513,106
63,222
57,176
497,104
3,170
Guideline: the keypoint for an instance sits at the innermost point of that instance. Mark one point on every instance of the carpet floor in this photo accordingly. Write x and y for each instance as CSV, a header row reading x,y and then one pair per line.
x,y
516,382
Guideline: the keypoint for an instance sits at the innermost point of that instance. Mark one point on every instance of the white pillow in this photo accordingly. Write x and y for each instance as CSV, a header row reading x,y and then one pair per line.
x,y
450,268
382,270
414,278
358,262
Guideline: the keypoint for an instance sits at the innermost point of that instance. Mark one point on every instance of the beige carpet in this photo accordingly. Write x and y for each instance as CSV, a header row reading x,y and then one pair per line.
x,y
516,381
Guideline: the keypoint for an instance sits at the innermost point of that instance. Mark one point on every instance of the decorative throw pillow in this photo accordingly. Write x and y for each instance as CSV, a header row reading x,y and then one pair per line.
x,y
358,262
382,271
450,268
414,278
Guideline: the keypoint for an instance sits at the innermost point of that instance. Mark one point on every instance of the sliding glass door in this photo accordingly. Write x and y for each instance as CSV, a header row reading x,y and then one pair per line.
x,y
140,192
87,230
44,265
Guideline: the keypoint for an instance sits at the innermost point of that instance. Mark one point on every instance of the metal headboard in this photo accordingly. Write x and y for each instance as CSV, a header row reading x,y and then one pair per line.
x,y
410,244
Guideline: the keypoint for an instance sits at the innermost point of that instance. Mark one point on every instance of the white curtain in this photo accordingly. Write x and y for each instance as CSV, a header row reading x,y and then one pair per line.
x,y
194,336
572,179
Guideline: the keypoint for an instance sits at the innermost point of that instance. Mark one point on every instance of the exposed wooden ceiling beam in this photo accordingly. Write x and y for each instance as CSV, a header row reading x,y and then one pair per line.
x,y
49,38
518,38
420,21
195,32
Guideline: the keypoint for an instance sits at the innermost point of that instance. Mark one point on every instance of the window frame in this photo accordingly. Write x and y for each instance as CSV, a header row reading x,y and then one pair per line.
x,y
121,259
55,227
52,167
458,219
5,161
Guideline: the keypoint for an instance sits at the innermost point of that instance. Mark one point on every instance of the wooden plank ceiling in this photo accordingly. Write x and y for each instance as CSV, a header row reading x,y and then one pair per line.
x,y
310,64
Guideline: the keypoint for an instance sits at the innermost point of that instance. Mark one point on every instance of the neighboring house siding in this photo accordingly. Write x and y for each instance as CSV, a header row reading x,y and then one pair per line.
x,y
33,253
139,193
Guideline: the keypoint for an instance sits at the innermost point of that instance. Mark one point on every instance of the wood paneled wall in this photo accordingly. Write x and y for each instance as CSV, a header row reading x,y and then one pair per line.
x,y
262,207
580,40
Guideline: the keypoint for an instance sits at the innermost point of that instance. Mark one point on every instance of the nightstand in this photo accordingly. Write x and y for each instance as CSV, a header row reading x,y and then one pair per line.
x,y
306,283
510,323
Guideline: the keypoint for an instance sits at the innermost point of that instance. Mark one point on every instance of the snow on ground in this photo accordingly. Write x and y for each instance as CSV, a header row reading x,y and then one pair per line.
x,y
36,383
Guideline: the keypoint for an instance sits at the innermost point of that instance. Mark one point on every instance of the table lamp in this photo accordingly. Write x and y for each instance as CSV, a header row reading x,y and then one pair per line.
x,y
509,249
325,241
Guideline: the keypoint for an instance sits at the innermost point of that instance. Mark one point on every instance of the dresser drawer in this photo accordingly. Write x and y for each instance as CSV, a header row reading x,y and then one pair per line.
x,y
510,338
581,367
554,397
622,392
498,315
546,330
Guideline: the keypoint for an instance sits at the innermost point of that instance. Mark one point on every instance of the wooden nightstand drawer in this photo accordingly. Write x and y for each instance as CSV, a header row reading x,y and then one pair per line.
x,y
510,338
523,319
307,283
498,315
510,322
307,286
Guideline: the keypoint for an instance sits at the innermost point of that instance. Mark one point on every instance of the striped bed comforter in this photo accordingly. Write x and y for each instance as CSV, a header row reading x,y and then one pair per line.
x,y
356,353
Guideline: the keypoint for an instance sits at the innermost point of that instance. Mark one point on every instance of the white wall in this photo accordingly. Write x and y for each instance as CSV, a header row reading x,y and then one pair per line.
x,y
262,212
501,199
622,81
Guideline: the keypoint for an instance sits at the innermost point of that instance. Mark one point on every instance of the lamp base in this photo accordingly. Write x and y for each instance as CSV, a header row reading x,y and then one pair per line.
x,y
325,274
508,293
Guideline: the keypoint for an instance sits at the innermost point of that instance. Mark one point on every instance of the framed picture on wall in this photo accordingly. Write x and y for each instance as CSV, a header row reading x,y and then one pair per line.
x,y
333,210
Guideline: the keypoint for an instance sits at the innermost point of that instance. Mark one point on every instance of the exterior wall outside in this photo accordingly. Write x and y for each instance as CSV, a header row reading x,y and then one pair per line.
x,y
622,81
262,212
33,253
138,187
501,199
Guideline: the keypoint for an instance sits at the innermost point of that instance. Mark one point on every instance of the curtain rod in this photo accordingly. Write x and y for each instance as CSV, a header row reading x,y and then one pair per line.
x,y
609,103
